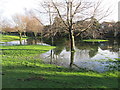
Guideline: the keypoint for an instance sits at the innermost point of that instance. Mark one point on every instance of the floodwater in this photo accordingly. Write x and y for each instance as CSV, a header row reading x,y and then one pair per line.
x,y
98,57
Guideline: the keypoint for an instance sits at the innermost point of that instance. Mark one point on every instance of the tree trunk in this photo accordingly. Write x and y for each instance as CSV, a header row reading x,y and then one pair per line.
x,y
52,39
20,35
72,59
41,37
51,56
35,34
115,33
72,40
20,42
24,34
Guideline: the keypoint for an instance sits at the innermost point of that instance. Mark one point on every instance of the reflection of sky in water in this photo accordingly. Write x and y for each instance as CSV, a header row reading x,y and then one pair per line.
x,y
23,42
14,43
104,54
82,59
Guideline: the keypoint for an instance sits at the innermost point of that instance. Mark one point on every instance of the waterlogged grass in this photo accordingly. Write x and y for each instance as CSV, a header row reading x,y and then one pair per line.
x,y
22,68
8,38
95,40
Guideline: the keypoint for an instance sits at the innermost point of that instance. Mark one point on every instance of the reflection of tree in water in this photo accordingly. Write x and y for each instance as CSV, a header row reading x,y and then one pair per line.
x,y
72,64
72,59
30,41
51,56
67,45
59,47
20,41
86,46
113,45
56,57
60,44
58,50
92,47
93,51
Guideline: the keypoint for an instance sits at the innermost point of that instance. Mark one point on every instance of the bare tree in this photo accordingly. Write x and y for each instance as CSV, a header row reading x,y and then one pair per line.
x,y
50,12
34,23
20,23
71,11
6,26
34,26
58,27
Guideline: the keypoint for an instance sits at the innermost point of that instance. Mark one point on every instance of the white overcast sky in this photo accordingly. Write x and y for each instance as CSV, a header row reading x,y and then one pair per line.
x,y
10,7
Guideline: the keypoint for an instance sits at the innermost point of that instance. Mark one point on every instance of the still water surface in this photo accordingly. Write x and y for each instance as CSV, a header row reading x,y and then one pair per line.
x,y
98,57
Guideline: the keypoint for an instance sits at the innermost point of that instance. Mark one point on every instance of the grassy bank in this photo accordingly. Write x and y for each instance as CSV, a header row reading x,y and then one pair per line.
x,y
22,68
8,38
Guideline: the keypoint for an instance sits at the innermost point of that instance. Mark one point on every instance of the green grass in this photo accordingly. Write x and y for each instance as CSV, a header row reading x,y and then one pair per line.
x,y
8,38
95,40
22,68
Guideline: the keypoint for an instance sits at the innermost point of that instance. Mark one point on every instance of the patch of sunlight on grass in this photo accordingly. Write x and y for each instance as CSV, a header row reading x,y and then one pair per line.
x,y
80,74
34,47
8,38
95,40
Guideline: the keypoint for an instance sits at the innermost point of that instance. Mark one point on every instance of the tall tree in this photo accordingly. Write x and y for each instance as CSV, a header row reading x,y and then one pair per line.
x,y
20,23
50,11
34,26
70,11
5,26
